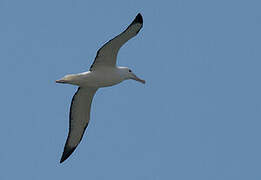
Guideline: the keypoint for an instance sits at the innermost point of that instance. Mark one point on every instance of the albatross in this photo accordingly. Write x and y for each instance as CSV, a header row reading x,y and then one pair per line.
x,y
102,73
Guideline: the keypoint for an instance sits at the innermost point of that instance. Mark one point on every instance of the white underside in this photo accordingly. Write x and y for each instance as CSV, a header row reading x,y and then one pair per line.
x,y
102,77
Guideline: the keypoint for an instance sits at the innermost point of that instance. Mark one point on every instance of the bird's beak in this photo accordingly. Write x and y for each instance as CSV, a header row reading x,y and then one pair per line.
x,y
134,77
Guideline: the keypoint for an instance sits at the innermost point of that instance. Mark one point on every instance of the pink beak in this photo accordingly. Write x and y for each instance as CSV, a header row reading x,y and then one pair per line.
x,y
138,79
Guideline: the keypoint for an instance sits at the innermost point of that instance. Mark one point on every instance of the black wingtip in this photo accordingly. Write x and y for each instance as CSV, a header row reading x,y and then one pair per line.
x,y
66,153
138,19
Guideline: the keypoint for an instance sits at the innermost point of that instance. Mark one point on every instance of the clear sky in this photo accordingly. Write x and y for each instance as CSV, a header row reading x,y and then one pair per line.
x,y
198,116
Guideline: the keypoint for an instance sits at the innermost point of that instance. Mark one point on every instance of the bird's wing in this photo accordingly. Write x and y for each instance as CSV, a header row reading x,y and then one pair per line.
x,y
79,119
107,54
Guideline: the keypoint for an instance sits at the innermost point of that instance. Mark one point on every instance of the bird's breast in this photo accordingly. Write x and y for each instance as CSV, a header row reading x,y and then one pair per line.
x,y
101,79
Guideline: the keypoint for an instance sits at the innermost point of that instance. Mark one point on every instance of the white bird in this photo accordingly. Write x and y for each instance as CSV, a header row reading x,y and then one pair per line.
x,y
103,72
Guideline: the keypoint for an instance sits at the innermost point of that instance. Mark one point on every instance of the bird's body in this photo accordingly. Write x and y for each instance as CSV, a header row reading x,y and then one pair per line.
x,y
100,77
103,73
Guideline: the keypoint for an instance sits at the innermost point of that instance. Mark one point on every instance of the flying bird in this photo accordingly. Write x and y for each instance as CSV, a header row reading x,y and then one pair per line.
x,y
102,73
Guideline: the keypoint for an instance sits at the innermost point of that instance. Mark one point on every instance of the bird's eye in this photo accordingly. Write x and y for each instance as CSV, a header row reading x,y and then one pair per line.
x,y
129,70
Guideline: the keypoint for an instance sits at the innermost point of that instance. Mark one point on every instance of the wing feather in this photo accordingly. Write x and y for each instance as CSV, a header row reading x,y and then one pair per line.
x,y
79,119
107,54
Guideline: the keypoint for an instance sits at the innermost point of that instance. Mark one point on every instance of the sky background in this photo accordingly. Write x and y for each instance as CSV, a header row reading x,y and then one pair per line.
x,y
197,117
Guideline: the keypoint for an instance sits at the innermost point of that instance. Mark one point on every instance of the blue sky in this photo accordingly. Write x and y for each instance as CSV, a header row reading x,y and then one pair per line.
x,y
198,116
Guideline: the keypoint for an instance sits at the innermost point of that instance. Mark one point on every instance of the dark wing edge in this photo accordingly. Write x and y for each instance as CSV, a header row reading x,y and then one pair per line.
x,y
68,149
138,19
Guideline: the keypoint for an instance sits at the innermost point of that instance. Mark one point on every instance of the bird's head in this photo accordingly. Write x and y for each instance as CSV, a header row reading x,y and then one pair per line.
x,y
130,75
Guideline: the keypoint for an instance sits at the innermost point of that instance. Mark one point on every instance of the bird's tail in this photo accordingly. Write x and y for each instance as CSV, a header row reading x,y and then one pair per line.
x,y
66,79
61,81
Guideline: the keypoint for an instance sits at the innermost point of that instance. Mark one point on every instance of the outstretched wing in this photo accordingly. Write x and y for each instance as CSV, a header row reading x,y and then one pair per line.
x,y
107,54
79,119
